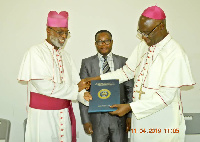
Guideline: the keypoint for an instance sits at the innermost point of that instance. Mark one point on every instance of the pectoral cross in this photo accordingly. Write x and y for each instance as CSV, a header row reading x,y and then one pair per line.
x,y
140,92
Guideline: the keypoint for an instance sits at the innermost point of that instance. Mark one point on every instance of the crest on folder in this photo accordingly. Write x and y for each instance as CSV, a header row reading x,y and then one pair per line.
x,y
104,94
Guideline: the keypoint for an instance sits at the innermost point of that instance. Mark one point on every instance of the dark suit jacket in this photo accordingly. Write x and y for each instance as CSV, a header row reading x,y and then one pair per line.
x,y
90,68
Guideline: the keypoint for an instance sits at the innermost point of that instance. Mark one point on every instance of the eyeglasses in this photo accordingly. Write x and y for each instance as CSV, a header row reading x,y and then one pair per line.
x,y
146,35
61,32
100,42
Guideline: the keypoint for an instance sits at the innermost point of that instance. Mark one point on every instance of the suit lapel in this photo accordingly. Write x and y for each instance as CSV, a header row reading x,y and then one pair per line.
x,y
95,66
115,61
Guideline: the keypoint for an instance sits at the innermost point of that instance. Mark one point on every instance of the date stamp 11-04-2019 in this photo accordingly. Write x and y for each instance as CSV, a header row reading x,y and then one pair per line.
x,y
155,130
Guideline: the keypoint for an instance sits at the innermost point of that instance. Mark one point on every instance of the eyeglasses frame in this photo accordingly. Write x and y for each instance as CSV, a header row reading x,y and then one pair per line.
x,y
147,35
60,33
104,41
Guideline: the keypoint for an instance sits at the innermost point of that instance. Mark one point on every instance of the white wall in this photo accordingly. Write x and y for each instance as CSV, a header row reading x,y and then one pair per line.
x,y
23,23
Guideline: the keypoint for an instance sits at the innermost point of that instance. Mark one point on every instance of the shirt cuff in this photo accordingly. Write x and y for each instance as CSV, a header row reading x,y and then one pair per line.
x,y
81,99
106,76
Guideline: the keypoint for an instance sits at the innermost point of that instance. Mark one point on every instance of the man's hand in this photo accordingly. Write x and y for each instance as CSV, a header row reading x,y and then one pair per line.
x,y
87,96
92,78
88,128
128,124
122,109
83,84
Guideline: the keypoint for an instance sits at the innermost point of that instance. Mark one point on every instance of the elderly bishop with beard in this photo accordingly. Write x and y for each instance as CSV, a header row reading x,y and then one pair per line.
x,y
53,82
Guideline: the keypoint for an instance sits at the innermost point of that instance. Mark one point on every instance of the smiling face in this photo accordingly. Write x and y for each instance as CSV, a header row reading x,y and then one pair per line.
x,y
104,43
57,36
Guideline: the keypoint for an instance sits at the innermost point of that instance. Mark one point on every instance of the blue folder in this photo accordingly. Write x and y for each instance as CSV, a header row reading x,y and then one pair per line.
x,y
104,94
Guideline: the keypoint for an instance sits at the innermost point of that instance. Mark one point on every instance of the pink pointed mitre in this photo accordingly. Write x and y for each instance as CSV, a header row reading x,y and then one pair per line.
x,y
154,12
57,20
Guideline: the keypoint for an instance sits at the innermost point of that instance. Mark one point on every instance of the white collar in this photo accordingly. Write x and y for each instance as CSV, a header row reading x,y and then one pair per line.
x,y
163,42
109,56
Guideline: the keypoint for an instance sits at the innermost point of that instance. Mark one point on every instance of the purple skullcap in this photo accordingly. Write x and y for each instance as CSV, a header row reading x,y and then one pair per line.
x,y
154,12
57,20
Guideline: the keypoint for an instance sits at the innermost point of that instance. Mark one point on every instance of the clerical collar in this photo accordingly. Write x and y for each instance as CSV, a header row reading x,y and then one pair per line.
x,y
109,56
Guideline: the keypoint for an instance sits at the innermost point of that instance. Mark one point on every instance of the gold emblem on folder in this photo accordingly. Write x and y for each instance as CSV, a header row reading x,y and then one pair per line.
x,y
104,94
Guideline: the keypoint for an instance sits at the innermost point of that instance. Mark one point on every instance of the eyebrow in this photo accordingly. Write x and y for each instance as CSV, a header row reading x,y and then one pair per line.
x,y
62,31
145,31
103,40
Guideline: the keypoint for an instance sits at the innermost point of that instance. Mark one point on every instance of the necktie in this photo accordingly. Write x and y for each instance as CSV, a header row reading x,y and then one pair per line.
x,y
106,67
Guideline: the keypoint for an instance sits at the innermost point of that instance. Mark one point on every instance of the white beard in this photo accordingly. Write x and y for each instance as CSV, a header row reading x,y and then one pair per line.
x,y
56,42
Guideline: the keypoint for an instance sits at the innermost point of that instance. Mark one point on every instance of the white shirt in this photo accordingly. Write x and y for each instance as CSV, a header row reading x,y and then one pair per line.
x,y
109,60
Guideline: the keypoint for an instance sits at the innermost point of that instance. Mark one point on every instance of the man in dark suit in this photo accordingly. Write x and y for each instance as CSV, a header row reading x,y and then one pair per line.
x,y
103,126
